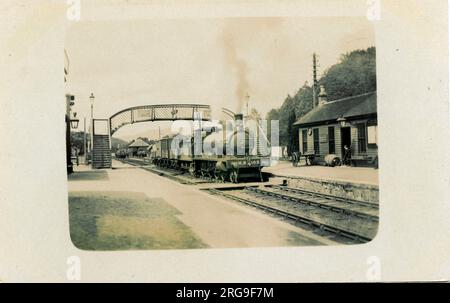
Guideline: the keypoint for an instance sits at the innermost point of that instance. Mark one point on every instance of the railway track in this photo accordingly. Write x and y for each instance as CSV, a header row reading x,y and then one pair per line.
x,y
173,174
325,196
355,221
340,205
168,172
335,217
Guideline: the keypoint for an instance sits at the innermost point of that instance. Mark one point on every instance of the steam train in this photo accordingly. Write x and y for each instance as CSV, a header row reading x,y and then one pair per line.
x,y
217,161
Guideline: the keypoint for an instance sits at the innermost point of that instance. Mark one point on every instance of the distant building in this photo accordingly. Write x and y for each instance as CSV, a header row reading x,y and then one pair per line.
x,y
138,145
331,125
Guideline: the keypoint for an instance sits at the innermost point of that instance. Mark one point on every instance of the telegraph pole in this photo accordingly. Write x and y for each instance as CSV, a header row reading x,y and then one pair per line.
x,y
314,80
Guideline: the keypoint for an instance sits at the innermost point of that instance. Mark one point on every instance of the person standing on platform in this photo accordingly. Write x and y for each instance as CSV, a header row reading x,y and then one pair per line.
x,y
347,155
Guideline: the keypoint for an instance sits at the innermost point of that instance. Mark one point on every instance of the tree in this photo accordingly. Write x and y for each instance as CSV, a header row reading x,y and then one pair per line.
x,y
285,110
298,105
254,115
303,100
272,115
293,135
77,140
355,74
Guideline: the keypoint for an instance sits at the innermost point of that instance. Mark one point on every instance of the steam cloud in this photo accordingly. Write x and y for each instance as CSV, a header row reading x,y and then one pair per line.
x,y
239,67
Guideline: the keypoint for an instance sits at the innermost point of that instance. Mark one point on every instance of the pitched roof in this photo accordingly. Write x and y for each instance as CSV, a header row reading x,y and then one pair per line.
x,y
139,143
348,107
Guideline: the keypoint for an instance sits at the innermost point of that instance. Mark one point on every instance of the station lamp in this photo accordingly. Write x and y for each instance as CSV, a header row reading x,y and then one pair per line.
x,y
342,121
74,122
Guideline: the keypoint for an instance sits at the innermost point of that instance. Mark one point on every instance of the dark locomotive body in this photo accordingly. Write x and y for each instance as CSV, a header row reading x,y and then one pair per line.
x,y
213,164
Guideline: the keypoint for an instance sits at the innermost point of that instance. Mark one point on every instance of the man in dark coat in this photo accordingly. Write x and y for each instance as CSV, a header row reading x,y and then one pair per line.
x,y
347,155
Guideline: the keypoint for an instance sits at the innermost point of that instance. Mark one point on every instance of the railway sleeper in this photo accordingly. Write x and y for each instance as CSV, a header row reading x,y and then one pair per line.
x,y
318,204
297,218
326,196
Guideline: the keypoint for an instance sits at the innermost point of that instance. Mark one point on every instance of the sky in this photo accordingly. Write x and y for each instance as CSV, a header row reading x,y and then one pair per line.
x,y
215,61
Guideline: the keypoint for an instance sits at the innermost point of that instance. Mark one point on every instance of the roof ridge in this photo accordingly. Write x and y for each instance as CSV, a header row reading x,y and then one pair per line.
x,y
136,141
351,97
351,106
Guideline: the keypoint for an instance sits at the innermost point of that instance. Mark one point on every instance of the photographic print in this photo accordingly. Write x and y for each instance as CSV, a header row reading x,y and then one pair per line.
x,y
221,132
224,141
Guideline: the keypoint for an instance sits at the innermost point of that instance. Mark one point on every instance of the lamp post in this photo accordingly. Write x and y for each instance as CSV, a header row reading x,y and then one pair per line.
x,y
70,101
84,142
91,128
92,99
74,124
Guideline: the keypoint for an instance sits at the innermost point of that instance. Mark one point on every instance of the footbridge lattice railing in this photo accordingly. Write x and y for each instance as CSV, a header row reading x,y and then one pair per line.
x,y
167,112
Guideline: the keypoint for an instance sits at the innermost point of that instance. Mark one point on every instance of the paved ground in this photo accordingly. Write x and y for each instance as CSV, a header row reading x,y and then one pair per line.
x,y
112,220
339,173
202,220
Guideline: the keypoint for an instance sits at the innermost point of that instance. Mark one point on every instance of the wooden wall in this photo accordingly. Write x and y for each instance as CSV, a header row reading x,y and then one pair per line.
x,y
371,149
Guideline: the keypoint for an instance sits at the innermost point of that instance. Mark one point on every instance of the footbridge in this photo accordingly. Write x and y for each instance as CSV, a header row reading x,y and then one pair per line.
x,y
166,112
103,129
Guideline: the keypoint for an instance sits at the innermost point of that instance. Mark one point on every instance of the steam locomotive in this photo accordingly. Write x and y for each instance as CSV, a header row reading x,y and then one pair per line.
x,y
230,156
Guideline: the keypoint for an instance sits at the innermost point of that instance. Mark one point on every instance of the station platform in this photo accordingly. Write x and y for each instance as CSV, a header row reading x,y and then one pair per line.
x,y
358,175
357,183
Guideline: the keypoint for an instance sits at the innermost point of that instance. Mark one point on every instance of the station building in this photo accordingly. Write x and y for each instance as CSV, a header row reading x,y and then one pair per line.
x,y
328,127
138,145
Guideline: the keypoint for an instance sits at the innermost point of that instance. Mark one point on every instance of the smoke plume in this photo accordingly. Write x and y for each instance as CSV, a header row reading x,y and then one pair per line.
x,y
238,66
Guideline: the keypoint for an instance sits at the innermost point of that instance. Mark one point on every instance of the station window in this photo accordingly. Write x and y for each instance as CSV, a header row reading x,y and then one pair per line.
x,y
362,138
316,141
331,143
304,141
372,134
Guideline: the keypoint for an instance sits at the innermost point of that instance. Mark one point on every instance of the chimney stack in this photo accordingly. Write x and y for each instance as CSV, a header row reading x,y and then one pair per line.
x,y
322,96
